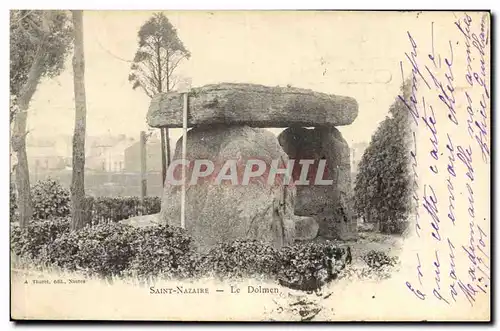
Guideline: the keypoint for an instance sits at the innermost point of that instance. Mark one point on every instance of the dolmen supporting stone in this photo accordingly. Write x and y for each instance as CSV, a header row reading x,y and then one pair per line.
x,y
220,209
227,121
327,203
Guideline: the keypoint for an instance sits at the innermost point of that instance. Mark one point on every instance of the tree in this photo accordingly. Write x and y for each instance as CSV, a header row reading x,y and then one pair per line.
x,y
39,43
159,54
383,187
78,176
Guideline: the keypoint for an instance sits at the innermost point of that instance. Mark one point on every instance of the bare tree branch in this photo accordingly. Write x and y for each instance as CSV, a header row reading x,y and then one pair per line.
x,y
173,81
145,90
173,65
145,81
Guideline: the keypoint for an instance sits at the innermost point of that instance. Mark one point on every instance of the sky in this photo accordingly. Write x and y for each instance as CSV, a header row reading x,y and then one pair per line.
x,y
328,52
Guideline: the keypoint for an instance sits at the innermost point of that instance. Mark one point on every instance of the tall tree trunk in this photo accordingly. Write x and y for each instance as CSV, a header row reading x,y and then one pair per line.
x,y
78,179
167,136
165,141
18,141
21,169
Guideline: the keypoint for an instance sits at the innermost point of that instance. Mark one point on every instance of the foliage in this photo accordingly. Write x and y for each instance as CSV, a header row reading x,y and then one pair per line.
x,y
30,32
39,42
30,240
308,266
163,250
104,250
120,208
159,53
13,107
395,227
378,259
240,258
12,202
383,186
115,249
49,200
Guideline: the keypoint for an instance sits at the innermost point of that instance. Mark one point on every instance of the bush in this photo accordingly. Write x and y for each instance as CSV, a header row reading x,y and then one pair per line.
x,y
394,227
163,250
119,208
13,203
50,200
378,259
105,249
240,258
308,266
115,249
29,241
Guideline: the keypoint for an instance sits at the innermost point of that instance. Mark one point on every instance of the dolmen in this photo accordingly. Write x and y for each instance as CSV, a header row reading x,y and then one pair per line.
x,y
243,182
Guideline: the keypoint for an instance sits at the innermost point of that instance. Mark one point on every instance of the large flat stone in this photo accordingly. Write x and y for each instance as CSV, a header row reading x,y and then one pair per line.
x,y
252,105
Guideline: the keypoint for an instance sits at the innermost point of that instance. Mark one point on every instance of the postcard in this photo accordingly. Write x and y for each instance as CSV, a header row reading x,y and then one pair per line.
x,y
250,165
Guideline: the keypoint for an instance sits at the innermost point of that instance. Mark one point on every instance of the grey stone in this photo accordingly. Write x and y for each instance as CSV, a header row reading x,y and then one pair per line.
x,y
306,228
225,212
252,105
329,204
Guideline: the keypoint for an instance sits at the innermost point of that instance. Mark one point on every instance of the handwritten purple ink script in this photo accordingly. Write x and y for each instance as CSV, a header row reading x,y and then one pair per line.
x,y
449,106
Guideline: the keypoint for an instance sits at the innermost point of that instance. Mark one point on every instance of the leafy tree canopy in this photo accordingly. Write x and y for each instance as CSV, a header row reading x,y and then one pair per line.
x,y
37,33
159,53
383,186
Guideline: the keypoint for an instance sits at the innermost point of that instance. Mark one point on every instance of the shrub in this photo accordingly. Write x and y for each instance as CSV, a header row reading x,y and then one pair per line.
x,y
308,266
152,205
17,241
50,200
29,241
105,249
163,250
240,258
13,203
394,227
378,259
62,252
119,208
115,249
302,266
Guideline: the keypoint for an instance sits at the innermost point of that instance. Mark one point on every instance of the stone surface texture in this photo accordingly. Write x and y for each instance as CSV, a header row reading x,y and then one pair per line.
x,y
252,105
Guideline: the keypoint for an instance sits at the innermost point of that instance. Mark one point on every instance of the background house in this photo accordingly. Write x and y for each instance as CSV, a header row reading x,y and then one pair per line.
x,y
107,153
106,157
153,156
43,155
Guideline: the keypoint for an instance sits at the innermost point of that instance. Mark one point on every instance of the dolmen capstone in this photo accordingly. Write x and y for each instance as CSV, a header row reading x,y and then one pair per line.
x,y
234,189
